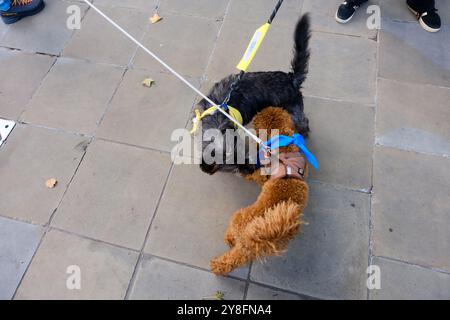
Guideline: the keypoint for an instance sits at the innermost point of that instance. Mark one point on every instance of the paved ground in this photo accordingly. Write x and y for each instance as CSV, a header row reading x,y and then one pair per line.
x,y
139,227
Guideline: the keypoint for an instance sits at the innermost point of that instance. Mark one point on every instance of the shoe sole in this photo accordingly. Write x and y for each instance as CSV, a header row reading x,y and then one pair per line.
x,y
13,19
423,24
342,20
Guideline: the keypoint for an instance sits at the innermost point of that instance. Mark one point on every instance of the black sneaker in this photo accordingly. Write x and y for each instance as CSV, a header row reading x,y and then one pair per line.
x,y
20,9
347,9
427,15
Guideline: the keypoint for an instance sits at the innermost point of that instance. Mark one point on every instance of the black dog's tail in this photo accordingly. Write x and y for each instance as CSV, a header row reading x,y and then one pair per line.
x,y
301,50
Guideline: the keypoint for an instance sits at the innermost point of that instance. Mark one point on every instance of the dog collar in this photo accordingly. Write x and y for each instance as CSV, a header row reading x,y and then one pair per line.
x,y
235,113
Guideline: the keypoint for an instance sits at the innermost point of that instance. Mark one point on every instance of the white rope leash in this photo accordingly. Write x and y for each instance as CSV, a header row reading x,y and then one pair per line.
x,y
254,137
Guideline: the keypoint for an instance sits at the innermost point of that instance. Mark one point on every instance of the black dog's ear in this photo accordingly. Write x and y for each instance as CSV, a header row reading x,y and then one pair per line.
x,y
208,168
246,169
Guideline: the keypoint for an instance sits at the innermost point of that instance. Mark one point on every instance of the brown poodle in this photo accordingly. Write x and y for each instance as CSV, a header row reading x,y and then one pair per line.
x,y
265,227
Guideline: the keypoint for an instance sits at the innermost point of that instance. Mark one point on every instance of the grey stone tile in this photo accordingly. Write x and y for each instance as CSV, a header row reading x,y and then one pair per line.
x,y
274,54
119,187
413,117
401,281
410,209
30,157
202,8
258,12
323,18
24,73
144,5
409,53
18,241
158,279
342,67
398,10
45,32
105,270
185,43
73,96
329,258
192,231
99,41
147,116
341,138
257,292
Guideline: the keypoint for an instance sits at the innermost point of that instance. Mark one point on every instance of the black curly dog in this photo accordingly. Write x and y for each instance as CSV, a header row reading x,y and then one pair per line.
x,y
256,91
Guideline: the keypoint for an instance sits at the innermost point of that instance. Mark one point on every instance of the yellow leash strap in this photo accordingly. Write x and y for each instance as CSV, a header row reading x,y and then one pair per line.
x,y
253,47
234,113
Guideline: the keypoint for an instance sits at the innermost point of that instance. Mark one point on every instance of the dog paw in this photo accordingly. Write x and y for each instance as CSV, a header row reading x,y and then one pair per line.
x,y
219,268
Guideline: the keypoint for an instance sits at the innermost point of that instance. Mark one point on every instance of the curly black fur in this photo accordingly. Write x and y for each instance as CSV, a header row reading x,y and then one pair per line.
x,y
258,90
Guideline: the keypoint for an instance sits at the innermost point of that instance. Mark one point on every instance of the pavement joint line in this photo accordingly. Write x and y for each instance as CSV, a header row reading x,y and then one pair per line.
x,y
418,84
59,130
25,106
341,187
82,236
368,105
371,224
342,34
108,103
247,282
131,283
410,150
73,30
16,219
90,61
298,294
155,212
413,264
47,227
181,14
133,145
185,264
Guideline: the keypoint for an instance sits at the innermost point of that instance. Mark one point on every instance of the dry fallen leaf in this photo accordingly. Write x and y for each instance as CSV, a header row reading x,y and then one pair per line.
x,y
148,82
219,295
51,183
155,18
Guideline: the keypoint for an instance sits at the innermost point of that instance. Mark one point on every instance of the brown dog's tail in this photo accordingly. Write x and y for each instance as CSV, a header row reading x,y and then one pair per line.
x,y
270,234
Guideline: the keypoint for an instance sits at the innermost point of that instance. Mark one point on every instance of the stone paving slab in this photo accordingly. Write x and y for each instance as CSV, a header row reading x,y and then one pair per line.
x,y
258,12
257,292
404,117
192,232
201,8
29,158
341,138
342,67
158,279
411,210
329,258
105,270
184,42
398,10
18,242
408,53
408,282
73,96
24,73
275,52
45,33
323,14
114,194
144,5
106,44
147,116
